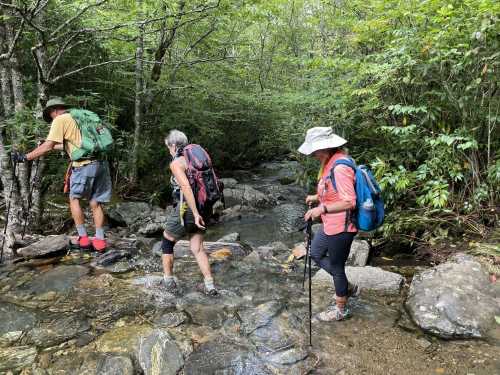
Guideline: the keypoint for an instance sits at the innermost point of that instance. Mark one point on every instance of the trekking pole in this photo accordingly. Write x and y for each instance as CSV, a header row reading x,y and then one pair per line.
x,y
307,227
308,252
8,210
305,260
30,195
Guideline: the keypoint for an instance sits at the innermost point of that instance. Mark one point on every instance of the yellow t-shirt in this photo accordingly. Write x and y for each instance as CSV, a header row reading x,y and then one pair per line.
x,y
65,130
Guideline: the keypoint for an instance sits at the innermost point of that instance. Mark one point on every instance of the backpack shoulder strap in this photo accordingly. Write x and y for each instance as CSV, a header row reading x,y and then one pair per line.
x,y
349,162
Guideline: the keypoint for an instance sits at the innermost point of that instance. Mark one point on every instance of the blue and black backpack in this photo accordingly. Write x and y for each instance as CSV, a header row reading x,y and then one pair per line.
x,y
369,213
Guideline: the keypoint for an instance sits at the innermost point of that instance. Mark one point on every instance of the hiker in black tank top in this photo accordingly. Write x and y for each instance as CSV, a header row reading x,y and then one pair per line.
x,y
186,218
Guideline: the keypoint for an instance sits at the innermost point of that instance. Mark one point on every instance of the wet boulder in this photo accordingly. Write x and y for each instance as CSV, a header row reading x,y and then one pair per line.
x,y
122,340
16,357
117,260
372,279
259,316
291,216
15,318
455,299
140,217
229,183
206,315
224,357
58,330
358,256
272,249
128,213
170,319
107,364
60,279
231,237
159,354
50,245
246,195
14,322
109,258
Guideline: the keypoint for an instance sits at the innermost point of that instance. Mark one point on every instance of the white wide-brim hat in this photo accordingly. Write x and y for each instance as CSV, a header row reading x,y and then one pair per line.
x,y
320,138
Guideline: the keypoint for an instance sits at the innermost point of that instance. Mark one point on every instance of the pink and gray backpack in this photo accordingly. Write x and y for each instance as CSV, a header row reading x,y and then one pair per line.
x,y
207,188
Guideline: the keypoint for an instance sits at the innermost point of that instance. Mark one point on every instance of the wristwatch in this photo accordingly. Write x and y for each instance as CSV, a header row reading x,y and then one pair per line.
x,y
325,211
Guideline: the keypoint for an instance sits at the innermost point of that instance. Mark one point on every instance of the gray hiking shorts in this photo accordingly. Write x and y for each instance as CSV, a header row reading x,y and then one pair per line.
x,y
174,227
91,181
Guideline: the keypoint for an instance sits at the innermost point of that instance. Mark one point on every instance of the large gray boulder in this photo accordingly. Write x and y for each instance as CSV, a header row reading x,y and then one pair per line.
x,y
455,299
291,216
229,183
50,245
129,213
373,279
140,217
230,237
246,195
159,354
358,256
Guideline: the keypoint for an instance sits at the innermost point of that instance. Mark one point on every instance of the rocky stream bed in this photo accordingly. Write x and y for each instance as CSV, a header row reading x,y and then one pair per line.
x,y
67,312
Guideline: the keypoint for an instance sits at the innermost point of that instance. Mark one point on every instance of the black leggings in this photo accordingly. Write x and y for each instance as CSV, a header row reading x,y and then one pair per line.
x,y
330,253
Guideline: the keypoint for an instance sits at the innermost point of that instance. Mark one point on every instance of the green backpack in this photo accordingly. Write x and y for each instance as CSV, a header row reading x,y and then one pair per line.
x,y
96,138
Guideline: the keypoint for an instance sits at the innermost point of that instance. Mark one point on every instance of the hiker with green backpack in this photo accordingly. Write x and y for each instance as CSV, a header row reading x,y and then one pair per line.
x,y
86,140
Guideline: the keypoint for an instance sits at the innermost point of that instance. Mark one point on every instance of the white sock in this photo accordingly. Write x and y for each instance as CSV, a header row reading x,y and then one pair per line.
x,y
209,284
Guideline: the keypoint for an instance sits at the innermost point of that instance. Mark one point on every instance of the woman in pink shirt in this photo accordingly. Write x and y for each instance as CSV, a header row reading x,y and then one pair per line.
x,y
332,244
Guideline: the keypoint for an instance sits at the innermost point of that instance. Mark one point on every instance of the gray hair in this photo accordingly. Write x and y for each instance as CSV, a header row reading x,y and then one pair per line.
x,y
176,138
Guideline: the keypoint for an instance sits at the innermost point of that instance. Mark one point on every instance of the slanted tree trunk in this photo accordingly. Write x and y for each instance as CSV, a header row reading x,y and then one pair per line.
x,y
42,98
139,95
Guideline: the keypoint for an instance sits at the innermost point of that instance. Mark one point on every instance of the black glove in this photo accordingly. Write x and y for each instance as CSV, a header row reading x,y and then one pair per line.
x,y
18,157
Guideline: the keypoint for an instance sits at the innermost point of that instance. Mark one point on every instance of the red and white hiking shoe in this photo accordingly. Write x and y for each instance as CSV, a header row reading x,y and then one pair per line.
x,y
84,243
99,245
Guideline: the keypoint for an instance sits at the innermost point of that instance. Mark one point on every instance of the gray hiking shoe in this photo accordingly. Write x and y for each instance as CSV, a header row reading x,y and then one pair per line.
x,y
331,314
170,285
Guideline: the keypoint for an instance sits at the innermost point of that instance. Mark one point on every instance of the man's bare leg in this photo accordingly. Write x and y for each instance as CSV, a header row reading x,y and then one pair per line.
x,y
76,211
97,213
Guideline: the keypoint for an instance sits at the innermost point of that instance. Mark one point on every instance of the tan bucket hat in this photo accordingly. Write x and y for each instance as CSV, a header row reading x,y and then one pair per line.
x,y
54,102
320,138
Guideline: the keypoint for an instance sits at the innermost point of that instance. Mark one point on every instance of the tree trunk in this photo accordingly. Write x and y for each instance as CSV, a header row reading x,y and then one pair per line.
x,y
43,96
7,104
139,95
19,104
11,196
16,181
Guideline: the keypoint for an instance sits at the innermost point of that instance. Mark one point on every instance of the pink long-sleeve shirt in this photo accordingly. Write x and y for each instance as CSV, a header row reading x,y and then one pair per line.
x,y
334,223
